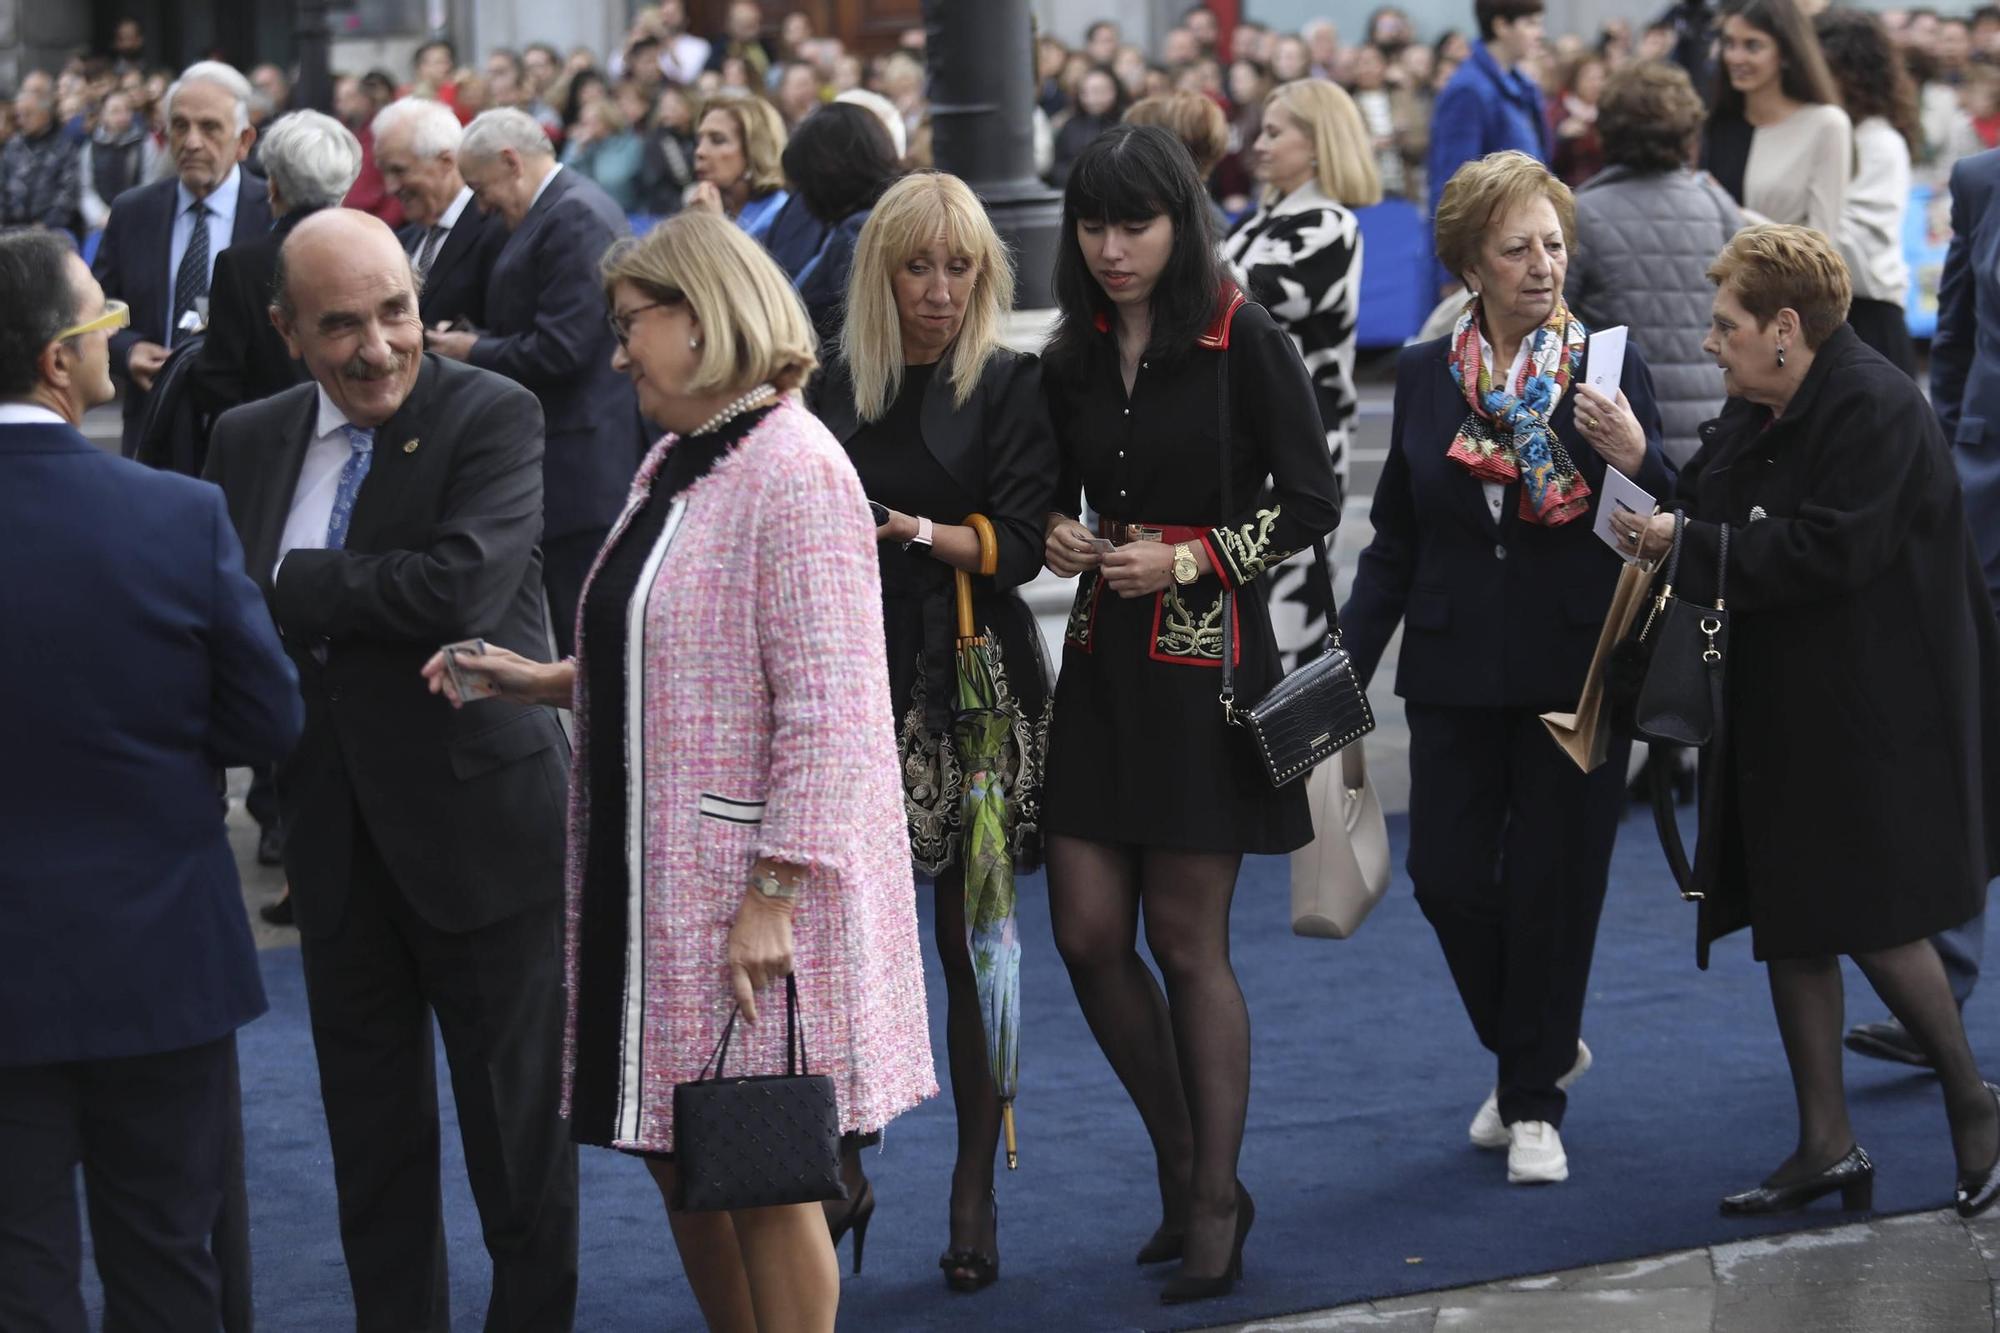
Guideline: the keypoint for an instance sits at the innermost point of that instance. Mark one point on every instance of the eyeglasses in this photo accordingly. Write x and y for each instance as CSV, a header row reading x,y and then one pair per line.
x,y
621,325
116,316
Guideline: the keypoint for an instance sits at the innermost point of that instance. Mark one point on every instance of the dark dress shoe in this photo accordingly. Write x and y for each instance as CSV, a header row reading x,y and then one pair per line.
x,y
278,913
1853,1175
1886,1041
1978,1189
1183,1289
271,845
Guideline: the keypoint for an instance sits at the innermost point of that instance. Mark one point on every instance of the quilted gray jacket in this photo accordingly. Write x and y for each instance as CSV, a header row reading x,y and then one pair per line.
x,y
1644,241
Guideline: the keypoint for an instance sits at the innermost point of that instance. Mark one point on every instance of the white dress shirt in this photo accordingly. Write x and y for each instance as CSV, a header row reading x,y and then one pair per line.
x,y
1496,492
543,188
28,414
442,227
319,483
221,226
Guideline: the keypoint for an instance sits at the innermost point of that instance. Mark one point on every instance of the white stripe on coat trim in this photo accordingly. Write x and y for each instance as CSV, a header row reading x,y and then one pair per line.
x,y
632,1033
732,811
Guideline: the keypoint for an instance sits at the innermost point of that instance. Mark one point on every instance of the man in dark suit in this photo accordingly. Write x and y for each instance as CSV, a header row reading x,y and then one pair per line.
x,y
452,243
1965,390
548,329
311,161
389,508
126,963
159,245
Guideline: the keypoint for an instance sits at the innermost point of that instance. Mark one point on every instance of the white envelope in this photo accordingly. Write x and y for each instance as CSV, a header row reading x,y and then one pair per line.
x,y
1605,361
1620,501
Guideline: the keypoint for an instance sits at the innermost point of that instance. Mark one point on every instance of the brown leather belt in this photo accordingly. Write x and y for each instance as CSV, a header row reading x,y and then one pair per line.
x,y
1171,533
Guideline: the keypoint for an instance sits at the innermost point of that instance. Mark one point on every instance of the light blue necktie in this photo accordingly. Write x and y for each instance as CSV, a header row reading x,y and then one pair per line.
x,y
352,474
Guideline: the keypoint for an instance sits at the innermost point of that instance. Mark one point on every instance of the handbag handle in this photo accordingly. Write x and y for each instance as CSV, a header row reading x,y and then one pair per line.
x,y
795,1036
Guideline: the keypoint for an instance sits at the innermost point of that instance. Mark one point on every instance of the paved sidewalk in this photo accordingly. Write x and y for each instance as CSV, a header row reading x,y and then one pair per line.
x,y
1921,1273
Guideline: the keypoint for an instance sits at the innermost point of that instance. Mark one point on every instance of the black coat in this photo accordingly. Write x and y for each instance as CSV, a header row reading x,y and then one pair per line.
x,y
546,328
1856,807
455,287
465,806
1495,615
244,357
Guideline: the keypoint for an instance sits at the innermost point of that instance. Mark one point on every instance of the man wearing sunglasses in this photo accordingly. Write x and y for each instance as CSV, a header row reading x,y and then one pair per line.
x,y
126,963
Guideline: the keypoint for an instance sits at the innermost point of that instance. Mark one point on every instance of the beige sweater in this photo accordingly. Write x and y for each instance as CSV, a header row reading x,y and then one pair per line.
x,y
1798,170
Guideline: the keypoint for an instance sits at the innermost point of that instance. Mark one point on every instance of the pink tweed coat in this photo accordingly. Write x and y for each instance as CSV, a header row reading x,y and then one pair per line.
x,y
761,726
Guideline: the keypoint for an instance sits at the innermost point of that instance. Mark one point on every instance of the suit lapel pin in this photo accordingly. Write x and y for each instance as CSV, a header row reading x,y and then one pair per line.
x,y
410,448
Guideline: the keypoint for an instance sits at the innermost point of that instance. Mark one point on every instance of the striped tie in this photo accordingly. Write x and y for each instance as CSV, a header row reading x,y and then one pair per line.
x,y
191,282
427,253
352,474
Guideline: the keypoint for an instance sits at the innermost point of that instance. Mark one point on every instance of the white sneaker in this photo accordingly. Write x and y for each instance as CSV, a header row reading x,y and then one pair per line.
x,y
1535,1154
1487,1132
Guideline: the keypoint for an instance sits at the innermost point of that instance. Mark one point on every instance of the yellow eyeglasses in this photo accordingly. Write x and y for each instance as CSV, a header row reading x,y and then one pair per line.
x,y
116,316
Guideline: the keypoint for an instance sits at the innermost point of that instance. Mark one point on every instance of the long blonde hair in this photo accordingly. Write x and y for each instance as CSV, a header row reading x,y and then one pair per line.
x,y
1343,152
914,212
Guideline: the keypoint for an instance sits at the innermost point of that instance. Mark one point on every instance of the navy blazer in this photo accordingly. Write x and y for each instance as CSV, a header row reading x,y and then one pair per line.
x,y
131,264
1495,615
455,287
1965,353
140,659
547,330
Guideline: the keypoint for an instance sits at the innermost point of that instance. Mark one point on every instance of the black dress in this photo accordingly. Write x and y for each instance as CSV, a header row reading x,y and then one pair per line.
x,y
899,468
601,972
1139,752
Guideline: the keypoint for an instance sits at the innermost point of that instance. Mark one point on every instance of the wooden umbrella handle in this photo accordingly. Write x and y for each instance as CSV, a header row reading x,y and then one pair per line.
x,y
989,560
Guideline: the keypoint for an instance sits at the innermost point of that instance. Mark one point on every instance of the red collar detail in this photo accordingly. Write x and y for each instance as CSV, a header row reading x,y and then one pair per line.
x,y
1216,336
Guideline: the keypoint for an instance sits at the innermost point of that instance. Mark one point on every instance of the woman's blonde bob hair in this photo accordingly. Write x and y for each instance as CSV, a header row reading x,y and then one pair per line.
x,y
1769,268
761,131
1485,190
754,329
916,211
1343,154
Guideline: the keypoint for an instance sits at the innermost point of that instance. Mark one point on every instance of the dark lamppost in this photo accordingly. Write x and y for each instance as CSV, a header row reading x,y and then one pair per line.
x,y
981,55
315,86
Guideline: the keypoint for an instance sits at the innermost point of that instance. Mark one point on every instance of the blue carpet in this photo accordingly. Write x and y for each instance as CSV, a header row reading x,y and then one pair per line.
x,y
1366,1073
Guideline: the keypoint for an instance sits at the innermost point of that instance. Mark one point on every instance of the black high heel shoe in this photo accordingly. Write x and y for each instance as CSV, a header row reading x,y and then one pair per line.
x,y
1162,1247
970,1270
1853,1175
859,1212
1185,1288
1977,1190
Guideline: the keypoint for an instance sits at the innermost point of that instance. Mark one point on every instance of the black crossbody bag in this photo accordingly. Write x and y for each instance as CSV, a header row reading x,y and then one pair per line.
x,y
1311,713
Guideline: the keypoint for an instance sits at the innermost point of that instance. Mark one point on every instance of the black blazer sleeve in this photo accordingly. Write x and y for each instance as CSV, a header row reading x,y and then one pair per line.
x,y
255,711
111,269
1022,462
478,554
1267,377
1387,567
1656,475
221,375
1957,321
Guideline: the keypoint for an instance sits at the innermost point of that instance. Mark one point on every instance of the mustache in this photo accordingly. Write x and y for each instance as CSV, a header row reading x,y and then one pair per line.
x,y
359,369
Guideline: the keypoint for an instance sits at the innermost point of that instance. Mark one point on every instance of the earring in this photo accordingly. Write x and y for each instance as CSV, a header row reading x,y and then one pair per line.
x,y
1781,358
694,345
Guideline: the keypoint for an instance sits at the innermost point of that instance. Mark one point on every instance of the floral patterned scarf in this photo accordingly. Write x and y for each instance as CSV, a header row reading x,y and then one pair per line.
x,y
1508,437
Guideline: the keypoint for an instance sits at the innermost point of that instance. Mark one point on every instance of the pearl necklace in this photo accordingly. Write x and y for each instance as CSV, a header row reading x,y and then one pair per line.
x,y
750,401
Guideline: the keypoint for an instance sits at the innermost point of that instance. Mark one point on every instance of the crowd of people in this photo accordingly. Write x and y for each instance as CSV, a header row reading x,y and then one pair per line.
x,y
474,450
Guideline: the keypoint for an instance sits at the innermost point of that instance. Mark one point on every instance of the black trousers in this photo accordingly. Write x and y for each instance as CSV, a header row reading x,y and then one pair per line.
x,y
497,993
150,1133
565,565
1510,850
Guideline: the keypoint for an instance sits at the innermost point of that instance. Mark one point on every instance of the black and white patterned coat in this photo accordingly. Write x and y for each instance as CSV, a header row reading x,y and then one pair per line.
x,y
1300,258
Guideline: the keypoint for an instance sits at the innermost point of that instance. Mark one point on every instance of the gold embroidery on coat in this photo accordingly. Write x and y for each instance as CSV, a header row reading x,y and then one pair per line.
x,y
1181,635
1083,612
1248,548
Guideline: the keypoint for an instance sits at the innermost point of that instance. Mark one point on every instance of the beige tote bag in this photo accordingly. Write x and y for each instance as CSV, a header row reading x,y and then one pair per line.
x,y
1343,872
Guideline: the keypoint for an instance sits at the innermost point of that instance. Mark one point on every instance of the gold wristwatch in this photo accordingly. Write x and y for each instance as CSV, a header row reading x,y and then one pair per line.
x,y
1185,571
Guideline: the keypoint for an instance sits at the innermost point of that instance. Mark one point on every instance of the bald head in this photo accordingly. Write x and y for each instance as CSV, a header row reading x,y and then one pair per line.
x,y
346,303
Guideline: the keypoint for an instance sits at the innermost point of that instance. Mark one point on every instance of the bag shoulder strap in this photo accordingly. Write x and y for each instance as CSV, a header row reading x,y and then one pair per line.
x,y
1228,695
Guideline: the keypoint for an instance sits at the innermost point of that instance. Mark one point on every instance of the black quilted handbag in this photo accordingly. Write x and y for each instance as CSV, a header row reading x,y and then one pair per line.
x,y
757,1142
1311,713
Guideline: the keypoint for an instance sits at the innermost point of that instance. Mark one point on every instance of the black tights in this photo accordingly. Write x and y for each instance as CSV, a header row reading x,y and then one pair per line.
x,y
1183,1055
972,1092
1807,995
